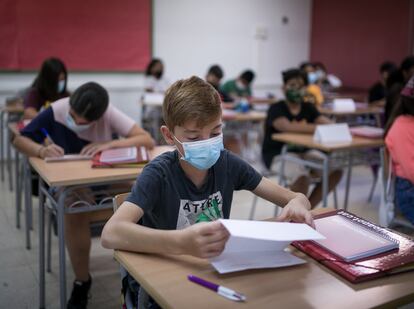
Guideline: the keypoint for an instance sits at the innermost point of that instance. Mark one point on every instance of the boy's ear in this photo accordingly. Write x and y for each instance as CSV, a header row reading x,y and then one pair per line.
x,y
167,135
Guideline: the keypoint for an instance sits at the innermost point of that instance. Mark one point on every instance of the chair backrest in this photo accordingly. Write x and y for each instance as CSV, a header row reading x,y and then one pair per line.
x,y
119,199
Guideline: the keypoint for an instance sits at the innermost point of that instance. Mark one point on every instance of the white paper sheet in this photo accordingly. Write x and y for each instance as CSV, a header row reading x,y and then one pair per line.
x,y
259,244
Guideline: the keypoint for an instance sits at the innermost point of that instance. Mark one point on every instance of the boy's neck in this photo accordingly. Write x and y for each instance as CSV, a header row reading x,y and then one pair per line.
x,y
197,177
294,107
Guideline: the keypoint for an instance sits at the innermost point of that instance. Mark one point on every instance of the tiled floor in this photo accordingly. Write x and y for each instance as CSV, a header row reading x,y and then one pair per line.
x,y
19,267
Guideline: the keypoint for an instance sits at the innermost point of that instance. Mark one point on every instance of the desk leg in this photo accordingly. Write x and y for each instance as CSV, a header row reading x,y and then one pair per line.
x,y
2,143
282,181
9,155
18,191
28,201
41,245
325,181
348,180
62,258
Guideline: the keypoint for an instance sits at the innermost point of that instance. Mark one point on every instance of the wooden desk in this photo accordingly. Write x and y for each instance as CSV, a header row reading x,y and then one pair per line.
x,y
305,286
69,176
361,109
253,116
306,140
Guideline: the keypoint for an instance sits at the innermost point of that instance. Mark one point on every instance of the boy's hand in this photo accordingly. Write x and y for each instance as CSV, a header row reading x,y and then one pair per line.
x,y
297,210
51,150
205,239
93,148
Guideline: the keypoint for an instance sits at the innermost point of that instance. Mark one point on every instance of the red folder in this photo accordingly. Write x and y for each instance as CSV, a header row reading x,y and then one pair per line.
x,y
369,268
141,160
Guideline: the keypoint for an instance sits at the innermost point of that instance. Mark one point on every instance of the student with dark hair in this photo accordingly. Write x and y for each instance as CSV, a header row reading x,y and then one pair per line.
x,y
312,84
84,124
377,91
326,80
154,80
49,86
395,84
213,77
399,138
296,116
239,87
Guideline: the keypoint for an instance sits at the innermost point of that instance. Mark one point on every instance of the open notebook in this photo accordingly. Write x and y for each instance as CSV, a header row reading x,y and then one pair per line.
x,y
121,157
351,240
68,157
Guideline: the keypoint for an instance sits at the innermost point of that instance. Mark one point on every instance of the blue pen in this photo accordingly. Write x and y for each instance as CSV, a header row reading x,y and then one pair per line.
x,y
46,134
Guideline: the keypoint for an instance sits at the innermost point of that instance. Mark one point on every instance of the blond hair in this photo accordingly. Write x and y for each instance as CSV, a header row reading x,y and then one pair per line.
x,y
191,99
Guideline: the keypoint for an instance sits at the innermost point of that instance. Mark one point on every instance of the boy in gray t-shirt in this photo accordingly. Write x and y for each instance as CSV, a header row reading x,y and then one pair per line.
x,y
193,184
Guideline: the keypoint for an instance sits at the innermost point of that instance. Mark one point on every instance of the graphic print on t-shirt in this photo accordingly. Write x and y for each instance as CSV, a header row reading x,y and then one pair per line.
x,y
191,210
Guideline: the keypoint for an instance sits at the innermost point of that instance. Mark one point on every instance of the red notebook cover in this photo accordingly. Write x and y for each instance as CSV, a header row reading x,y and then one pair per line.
x,y
369,268
141,160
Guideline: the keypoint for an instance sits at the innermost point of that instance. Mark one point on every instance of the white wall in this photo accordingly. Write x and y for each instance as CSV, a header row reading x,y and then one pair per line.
x,y
190,35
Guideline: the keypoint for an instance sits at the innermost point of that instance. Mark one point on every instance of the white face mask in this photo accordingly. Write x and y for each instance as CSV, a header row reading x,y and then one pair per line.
x,y
70,122
61,86
240,85
202,154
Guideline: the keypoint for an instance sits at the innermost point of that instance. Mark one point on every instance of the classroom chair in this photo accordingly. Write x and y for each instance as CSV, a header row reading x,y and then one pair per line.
x,y
389,215
143,297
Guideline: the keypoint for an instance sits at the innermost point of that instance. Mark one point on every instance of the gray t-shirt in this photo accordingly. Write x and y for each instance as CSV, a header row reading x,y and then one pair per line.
x,y
171,201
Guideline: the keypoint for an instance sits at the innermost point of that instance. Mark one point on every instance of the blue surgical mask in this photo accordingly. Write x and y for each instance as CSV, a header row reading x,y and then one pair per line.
x,y
202,154
70,122
61,86
312,77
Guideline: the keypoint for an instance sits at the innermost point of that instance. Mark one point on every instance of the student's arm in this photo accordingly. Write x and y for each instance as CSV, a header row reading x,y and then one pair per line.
x,y
284,125
323,120
33,149
30,113
203,240
135,137
295,205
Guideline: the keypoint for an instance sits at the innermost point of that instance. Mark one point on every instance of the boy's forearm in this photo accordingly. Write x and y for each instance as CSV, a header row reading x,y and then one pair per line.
x,y
142,140
134,237
27,146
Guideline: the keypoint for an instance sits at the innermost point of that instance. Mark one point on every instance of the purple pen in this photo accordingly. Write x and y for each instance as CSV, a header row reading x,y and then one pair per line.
x,y
221,290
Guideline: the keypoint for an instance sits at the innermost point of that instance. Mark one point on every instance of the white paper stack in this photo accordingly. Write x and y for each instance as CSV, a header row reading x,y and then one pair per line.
x,y
260,244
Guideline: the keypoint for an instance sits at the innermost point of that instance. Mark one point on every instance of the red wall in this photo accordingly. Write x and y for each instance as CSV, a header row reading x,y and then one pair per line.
x,y
352,38
92,35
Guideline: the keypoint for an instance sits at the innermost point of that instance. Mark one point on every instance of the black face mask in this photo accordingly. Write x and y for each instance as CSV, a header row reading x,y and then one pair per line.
x,y
157,74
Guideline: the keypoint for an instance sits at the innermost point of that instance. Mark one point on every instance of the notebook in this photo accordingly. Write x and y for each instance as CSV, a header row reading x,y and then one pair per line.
x,y
121,157
68,157
367,131
351,241
368,268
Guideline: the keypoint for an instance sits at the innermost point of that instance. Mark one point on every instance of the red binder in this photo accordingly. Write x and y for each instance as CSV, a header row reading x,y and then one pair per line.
x,y
369,268
141,160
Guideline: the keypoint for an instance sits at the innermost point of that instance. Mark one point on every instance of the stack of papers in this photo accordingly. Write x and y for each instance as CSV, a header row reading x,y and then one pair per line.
x,y
260,244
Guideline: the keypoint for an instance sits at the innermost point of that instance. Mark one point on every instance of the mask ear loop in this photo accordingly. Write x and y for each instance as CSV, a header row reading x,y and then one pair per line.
x,y
182,156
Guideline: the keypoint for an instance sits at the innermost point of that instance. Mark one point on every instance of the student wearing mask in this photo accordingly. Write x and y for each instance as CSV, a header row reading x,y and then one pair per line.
x,y
376,93
49,86
399,138
296,116
180,195
312,84
326,81
213,77
84,123
239,87
154,80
